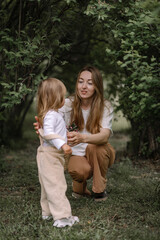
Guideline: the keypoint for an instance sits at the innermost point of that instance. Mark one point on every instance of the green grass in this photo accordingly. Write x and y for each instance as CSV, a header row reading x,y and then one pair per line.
x,y
130,212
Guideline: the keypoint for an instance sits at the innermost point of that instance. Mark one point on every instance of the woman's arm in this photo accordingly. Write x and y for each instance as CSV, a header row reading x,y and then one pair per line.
x,y
102,137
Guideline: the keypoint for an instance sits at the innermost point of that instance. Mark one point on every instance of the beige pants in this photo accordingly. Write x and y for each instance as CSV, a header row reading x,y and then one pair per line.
x,y
96,162
53,201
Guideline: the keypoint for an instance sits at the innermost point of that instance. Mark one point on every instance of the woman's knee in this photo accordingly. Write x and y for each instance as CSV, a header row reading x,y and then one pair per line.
x,y
96,149
80,174
76,176
112,155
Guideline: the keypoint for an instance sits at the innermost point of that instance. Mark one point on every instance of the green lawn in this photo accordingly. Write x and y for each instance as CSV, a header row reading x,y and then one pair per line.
x,y
131,212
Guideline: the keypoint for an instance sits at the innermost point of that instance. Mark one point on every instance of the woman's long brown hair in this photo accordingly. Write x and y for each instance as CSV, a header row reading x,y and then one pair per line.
x,y
93,124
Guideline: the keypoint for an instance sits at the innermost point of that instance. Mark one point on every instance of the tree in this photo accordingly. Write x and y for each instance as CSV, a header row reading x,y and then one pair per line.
x,y
36,37
133,43
46,37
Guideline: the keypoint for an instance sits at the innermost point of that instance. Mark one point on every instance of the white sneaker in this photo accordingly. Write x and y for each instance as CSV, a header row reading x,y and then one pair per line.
x,y
47,218
66,221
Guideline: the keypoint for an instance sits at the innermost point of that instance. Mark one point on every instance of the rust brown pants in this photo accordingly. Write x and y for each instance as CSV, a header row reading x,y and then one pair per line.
x,y
96,163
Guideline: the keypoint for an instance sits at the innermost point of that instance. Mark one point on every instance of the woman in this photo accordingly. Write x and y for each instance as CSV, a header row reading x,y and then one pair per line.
x,y
91,152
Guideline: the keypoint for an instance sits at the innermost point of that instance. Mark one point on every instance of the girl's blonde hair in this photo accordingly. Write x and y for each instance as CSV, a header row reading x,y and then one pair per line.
x,y
51,95
93,124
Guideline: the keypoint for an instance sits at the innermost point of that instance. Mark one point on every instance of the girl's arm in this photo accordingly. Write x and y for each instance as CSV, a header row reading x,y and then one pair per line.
x,y
102,137
49,127
36,124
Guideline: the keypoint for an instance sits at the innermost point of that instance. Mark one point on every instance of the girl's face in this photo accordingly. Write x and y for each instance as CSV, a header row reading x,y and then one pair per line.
x,y
85,85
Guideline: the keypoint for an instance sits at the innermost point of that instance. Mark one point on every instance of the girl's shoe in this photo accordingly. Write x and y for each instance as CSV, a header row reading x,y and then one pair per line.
x,y
66,221
47,218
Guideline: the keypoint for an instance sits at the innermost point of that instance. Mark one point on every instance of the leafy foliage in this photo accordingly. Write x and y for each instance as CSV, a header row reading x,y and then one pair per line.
x,y
35,38
133,44
42,38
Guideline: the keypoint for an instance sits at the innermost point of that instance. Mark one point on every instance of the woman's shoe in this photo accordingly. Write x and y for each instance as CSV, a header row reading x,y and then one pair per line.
x,y
98,197
77,195
87,193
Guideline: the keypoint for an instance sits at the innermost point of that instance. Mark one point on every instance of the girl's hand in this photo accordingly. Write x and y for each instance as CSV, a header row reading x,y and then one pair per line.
x,y
66,149
36,125
74,138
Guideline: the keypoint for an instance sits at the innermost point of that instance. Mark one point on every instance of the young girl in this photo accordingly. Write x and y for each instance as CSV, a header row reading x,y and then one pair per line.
x,y
50,154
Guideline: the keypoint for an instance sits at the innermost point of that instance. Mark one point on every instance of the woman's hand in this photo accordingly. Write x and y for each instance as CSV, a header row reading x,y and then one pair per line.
x,y
36,125
75,138
102,137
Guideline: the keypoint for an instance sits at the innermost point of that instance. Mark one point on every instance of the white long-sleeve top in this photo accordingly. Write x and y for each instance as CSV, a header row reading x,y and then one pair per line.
x,y
65,111
54,124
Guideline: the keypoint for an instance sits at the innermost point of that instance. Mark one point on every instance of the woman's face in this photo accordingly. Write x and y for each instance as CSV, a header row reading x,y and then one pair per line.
x,y
85,85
